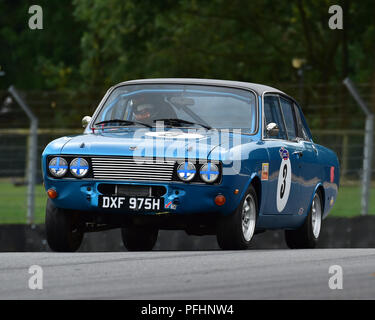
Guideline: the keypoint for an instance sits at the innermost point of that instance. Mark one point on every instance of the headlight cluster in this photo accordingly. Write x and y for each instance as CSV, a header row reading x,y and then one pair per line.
x,y
208,172
58,167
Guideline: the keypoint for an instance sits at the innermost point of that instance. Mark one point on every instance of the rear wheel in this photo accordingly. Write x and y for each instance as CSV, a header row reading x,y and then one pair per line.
x,y
63,230
308,234
138,238
236,231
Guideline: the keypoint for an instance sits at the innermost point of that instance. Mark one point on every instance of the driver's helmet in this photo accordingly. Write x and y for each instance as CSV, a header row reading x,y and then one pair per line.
x,y
143,112
147,109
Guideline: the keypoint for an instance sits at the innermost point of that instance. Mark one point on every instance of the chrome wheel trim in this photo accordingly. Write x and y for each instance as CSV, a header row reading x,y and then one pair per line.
x,y
248,217
316,216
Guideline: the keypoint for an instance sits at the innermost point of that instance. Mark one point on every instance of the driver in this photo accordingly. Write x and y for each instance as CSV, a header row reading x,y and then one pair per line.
x,y
146,109
143,112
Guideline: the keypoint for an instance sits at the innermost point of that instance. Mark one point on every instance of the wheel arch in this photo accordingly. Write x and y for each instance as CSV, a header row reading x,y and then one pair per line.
x,y
318,188
256,183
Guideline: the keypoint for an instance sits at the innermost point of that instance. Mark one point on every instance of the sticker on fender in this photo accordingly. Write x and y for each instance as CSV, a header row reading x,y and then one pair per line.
x,y
284,180
131,203
170,205
265,170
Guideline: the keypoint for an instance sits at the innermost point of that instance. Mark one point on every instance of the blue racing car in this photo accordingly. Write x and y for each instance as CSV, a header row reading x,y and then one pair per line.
x,y
206,156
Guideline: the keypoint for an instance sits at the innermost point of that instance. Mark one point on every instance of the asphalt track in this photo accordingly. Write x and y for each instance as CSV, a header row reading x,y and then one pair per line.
x,y
253,274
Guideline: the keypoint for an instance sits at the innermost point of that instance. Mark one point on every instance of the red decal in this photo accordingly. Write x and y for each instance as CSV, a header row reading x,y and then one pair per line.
x,y
332,174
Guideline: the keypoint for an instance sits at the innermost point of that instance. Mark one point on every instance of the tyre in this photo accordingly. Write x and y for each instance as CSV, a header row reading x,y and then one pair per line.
x,y
308,234
139,239
63,231
236,231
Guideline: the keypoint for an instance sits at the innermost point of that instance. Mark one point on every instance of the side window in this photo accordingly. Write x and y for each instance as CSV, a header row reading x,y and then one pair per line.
x,y
272,113
302,129
286,107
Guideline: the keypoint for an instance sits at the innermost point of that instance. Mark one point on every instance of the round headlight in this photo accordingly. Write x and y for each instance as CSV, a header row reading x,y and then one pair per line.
x,y
79,167
186,171
58,167
209,172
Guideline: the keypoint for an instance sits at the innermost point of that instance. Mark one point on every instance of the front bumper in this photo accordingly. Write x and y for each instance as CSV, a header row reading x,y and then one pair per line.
x,y
187,198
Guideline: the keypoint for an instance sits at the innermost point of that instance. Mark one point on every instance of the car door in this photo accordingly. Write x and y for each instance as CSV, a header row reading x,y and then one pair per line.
x,y
284,157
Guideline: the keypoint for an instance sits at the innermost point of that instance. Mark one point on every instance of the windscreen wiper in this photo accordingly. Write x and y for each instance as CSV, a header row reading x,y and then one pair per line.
x,y
129,122
179,122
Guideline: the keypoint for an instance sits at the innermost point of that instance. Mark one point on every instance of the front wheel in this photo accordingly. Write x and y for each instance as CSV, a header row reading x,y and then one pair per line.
x,y
63,231
306,237
139,239
236,231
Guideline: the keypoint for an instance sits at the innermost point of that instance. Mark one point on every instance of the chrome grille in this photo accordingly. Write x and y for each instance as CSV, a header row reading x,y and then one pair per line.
x,y
127,168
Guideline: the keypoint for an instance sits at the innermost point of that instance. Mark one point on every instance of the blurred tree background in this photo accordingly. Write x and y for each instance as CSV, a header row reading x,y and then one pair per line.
x,y
88,45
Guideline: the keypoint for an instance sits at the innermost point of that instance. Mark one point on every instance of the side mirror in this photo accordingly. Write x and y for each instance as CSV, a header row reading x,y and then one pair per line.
x,y
272,129
85,121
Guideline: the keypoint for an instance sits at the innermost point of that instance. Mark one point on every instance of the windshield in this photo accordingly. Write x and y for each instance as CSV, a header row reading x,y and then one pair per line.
x,y
179,105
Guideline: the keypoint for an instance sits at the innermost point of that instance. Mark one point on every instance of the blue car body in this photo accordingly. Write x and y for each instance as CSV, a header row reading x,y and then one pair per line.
x,y
259,159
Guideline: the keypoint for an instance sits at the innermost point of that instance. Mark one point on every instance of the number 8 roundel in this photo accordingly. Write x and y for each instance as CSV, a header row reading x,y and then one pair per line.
x,y
284,180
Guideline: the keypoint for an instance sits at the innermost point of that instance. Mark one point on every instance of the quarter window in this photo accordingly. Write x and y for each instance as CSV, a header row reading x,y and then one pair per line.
x,y
303,131
272,113
286,106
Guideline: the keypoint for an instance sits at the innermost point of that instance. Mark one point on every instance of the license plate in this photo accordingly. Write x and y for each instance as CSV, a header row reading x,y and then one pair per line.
x,y
131,203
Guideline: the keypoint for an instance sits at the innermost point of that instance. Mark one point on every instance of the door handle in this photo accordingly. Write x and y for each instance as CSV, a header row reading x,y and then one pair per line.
x,y
298,153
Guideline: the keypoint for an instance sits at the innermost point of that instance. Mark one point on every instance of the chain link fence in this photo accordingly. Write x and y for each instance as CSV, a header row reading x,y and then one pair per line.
x,y
59,114
14,144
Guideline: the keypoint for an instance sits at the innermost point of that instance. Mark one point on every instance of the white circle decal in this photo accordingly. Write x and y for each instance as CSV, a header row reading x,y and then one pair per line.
x,y
174,135
283,184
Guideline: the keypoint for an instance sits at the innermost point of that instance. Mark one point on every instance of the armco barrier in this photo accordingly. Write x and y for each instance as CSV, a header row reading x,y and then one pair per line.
x,y
356,232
